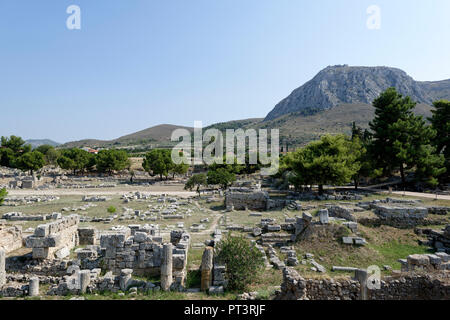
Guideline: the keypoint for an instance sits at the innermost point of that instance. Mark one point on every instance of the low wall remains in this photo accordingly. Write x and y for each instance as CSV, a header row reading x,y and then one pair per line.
x,y
142,251
54,239
403,287
10,238
242,199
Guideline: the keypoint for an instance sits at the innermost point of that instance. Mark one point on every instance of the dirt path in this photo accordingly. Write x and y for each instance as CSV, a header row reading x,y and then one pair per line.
x,y
418,194
170,190
212,227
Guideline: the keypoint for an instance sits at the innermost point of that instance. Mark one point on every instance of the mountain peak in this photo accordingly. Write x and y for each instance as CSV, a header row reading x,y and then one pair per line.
x,y
344,84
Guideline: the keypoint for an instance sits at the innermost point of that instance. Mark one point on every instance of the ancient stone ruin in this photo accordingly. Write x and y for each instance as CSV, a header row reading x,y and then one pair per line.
x,y
10,237
54,239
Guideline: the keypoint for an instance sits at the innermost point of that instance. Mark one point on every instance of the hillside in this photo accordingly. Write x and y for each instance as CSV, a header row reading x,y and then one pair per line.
x,y
297,129
337,85
155,136
39,142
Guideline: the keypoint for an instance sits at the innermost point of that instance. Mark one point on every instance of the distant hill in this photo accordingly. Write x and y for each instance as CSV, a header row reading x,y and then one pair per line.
x,y
155,136
338,85
297,129
39,142
329,103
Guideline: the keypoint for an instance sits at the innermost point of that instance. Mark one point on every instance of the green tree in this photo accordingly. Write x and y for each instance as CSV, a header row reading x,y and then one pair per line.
x,y
16,144
401,140
180,169
327,161
359,144
158,162
440,122
76,159
3,194
112,160
51,155
221,177
12,148
7,157
196,181
243,261
30,161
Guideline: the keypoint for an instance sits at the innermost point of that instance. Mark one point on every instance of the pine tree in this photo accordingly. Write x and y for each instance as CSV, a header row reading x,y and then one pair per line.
x,y
401,140
440,122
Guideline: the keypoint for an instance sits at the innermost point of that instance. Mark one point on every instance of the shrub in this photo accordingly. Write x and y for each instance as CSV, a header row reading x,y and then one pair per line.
x,y
3,194
112,209
242,260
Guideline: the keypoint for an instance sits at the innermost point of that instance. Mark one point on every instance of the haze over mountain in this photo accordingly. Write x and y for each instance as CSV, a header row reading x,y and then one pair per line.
x,y
343,84
329,103
39,142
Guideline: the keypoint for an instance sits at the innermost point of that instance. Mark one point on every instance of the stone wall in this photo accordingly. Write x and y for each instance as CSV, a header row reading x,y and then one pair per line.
x,y
401,216
10,238
242,199
426,262
54,239
402,287
142,251
439,240
341,212
87,236
19,216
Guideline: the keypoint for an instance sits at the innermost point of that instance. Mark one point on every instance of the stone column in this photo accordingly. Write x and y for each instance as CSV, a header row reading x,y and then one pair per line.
x,y
361,276
2,267
166,267
206,268
33,289
85,280
125,278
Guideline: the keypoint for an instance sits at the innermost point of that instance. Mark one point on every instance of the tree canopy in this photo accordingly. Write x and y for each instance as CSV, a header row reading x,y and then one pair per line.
x,y
196,181
440,122
30,161
401,139
112,160
327,161
158,162
221,177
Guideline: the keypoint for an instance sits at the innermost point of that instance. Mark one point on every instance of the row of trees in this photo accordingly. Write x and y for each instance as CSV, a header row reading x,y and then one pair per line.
x,y
15,153
216,176
399,141
106,161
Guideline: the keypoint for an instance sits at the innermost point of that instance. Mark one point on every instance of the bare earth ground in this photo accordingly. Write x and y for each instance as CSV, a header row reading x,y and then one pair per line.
x,y
175,190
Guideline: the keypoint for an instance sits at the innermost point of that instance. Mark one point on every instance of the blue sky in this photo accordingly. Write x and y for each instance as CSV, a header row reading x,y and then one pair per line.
x,y
139,63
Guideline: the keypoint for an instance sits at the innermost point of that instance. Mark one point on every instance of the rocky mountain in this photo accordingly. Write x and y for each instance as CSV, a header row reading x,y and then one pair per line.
x,y
335,98
343,84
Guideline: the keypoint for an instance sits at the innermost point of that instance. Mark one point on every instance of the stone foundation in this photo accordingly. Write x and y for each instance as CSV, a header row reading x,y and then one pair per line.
x,y
242,199
143,253
55,239
10,238
403,287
